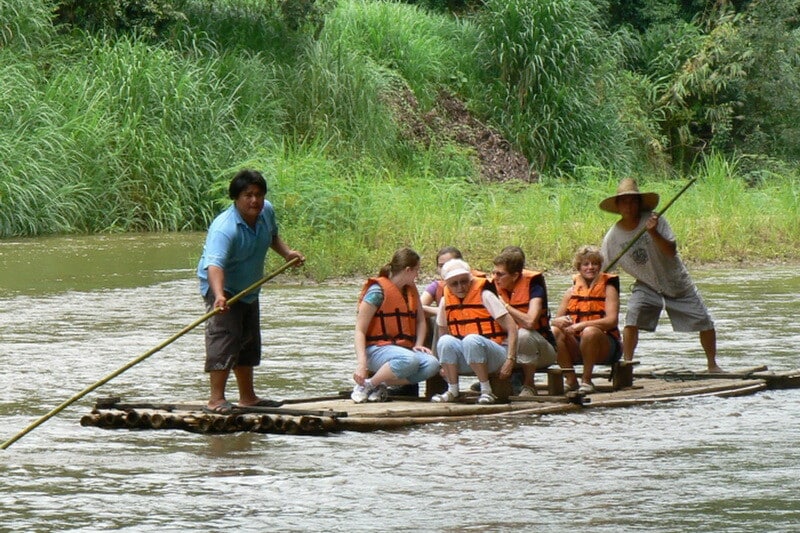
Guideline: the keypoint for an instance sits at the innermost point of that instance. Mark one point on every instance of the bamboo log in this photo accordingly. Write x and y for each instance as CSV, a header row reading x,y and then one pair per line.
x,y
219,423
744,391
685,375
750,387
132,419
432,409
329,424
310,424
781,380
285,424
92,419
174,422
288,411
157,421
374,423
112,419
204,424
539,398
267,424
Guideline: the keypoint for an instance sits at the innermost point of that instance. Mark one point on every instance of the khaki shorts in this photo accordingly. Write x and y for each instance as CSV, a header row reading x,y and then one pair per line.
x,y
233,338
533,349
686,313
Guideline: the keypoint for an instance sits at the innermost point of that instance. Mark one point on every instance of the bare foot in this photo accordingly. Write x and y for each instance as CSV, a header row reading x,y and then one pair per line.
x,y
716,369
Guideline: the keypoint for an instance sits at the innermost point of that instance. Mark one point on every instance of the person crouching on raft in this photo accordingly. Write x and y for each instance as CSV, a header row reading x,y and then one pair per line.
x,y
477,336
524,294
390,331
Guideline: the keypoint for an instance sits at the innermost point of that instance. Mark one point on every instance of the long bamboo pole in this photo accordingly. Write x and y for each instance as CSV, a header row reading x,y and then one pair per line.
x,y
144,356
641,231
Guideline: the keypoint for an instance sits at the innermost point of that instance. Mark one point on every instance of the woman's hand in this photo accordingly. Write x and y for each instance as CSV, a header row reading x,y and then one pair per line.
x,y
507,368
360,374
562,322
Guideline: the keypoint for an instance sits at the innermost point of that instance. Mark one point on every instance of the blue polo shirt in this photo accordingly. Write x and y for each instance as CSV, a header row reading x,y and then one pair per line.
x,y
238,249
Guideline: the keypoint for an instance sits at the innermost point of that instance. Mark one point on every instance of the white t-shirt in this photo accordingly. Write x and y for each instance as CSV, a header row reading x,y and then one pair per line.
x,y
645,262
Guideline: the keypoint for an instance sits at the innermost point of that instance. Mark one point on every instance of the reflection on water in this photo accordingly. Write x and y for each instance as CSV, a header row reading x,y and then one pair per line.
x,y
86,263
702,464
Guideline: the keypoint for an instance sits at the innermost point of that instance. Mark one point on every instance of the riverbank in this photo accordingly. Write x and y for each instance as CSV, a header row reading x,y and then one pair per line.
x,y
73,263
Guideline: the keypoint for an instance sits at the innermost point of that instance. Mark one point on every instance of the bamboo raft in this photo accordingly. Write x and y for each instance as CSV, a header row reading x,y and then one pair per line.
x,y
336,413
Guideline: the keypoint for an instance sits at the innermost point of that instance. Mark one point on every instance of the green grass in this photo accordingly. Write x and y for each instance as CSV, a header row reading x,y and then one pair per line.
x,y
349,222
102,134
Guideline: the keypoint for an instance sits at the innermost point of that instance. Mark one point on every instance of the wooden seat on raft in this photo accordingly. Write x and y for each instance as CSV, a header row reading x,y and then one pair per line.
x,y
621,377
501,388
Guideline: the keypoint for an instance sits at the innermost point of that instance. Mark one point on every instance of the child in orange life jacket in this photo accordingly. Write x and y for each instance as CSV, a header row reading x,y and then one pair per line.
x,y
586,321
477,336
390,331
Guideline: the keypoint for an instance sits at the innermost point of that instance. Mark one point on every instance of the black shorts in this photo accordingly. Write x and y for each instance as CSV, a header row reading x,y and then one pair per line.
x,y
233,338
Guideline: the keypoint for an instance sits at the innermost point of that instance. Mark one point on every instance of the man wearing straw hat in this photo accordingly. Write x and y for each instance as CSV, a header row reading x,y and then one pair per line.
x,y
662,281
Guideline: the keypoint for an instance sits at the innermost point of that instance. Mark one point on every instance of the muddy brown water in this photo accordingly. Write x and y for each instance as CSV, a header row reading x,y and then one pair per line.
x,y
76,309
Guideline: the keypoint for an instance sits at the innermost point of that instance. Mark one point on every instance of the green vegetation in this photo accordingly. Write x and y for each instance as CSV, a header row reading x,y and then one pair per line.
x,y
131,115
351,226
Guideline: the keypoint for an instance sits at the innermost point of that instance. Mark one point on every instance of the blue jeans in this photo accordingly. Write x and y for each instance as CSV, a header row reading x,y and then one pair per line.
x,y
405,363
471,349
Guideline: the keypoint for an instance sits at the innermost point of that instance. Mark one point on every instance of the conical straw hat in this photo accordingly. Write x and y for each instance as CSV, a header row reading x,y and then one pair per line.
x,y
627,187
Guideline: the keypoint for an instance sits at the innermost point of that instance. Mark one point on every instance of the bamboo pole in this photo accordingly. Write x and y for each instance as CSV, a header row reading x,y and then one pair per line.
x,y
144,356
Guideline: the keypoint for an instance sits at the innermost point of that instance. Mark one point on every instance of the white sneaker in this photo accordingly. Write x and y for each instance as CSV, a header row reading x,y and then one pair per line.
x,y
586,388
487,398
359,394
527,391
378,394
445,397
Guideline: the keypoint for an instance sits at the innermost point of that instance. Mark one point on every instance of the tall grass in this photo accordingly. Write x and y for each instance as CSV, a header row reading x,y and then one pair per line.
x,y
348,219
252,26
121,135
336,99
551,69
25,25
128,137
422,48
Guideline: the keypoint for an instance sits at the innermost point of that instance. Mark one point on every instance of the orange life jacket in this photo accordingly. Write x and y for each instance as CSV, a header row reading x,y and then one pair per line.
x,y
520,298
589,303
395,321
469,316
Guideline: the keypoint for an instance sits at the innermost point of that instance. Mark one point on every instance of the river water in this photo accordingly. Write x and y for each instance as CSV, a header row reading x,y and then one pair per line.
x,y
76,309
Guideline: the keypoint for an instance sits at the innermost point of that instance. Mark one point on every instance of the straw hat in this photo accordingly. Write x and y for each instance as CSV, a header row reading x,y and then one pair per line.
x,y
454,267
626,187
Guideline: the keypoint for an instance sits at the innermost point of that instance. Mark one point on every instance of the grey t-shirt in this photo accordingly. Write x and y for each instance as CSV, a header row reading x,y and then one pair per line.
x,y
645,262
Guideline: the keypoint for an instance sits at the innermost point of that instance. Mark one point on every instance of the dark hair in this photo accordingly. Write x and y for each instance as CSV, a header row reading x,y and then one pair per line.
x,y
243,179
512,257
452,250
402,258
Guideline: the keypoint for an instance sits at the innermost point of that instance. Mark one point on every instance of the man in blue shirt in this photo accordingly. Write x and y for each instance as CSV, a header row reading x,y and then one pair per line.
x,y
233,259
